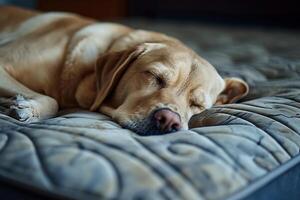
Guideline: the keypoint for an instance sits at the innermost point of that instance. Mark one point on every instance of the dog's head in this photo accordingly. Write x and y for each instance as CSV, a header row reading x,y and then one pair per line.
x,y
153,84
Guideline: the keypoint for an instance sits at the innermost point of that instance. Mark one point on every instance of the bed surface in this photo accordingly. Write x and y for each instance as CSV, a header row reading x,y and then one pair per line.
x,y
84,155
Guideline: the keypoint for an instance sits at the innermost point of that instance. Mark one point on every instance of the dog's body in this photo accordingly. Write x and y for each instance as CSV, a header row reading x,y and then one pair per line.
x,y
59,60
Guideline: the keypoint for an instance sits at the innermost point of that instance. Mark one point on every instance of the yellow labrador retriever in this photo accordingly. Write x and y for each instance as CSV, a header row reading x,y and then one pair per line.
x,y
146,81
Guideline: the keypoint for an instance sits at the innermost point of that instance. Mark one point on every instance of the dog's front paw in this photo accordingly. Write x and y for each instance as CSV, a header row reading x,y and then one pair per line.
x,y
22,109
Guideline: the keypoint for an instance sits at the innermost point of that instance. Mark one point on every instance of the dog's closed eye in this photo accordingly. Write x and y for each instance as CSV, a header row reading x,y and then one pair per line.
x,y
193,104
196,106
159,80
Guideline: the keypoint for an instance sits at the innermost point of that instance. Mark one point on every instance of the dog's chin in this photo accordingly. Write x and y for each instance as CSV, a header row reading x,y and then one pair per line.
x,y
145,129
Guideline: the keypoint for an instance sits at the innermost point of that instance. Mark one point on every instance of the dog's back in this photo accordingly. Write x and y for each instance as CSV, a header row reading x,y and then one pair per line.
x,y
12,16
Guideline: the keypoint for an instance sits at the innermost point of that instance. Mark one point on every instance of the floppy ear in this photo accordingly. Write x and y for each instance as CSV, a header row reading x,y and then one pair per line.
x,y
109,70
234,90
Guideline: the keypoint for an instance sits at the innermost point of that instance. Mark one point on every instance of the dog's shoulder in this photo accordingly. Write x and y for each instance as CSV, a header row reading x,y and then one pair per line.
x,y
93,40
85,47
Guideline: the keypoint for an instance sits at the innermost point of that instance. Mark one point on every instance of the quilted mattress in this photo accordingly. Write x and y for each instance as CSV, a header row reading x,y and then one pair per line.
x,y
235,151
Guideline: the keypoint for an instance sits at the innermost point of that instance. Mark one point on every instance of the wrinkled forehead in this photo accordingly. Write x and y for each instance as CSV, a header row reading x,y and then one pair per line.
x,y
166,56
185,65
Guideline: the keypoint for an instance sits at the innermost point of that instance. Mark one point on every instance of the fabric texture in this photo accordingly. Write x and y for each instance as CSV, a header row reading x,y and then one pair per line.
x,y
85,155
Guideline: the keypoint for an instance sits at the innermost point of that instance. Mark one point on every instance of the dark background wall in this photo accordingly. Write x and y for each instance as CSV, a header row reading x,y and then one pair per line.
x,y
282,13
264,12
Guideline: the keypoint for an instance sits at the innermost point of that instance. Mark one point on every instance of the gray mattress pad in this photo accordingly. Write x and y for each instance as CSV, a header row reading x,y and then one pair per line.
x,y
85,155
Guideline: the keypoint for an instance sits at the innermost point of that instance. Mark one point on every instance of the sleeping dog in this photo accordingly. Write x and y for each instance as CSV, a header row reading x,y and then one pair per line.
x,y
146,81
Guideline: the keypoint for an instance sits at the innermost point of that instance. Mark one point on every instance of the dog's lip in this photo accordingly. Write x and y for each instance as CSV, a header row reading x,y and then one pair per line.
x,y
148,133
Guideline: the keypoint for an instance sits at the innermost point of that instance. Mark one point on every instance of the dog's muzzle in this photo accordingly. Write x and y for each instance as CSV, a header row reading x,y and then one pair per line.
x,y
160,121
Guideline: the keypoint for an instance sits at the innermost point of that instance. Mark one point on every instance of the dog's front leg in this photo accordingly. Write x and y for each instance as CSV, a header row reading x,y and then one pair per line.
x,y
23,104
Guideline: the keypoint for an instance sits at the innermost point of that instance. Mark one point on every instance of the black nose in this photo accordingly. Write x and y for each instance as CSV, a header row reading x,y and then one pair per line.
x,y
167,120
